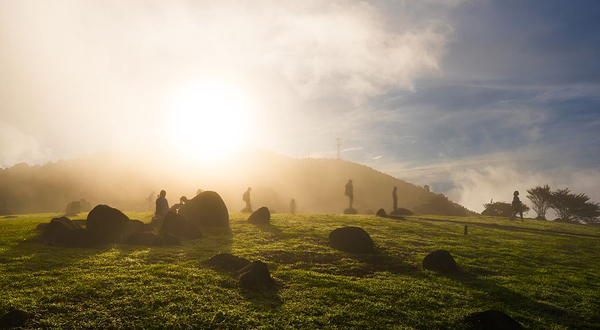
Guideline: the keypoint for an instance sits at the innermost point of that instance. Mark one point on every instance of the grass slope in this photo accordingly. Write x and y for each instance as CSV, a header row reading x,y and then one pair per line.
x,y
544,280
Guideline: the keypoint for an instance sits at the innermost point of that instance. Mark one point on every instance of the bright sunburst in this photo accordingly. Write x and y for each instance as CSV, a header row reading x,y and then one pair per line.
x,y
208,120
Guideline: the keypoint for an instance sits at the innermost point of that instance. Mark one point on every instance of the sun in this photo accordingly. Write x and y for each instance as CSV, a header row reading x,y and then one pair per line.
x,y
208,120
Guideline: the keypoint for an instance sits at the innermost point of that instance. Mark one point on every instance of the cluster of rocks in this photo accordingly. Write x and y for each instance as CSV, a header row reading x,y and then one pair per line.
x,y
252,275
105,224
397,212
76,207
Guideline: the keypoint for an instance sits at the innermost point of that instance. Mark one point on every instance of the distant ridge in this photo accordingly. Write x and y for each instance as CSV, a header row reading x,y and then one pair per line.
x,y
127,180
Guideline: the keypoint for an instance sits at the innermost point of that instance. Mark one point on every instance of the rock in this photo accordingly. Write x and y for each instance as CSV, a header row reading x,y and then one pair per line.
x,y
107,224
14,318
178,226
401,211
492,320
255,275
351,239
73,208
144,238
134,226
57,230
228,262
350,210
42,226
85,206
440,261
206,209
170,239
262,216
381,213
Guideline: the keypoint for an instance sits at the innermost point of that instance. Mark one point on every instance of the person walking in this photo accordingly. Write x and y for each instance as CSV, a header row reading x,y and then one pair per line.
x,y
517,206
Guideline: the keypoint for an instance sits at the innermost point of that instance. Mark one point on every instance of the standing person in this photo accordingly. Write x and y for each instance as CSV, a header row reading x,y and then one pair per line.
x,y
395,198
246,198
350,192
162,205
293,206
517,206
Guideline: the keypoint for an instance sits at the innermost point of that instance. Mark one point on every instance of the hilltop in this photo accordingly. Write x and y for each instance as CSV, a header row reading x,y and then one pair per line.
x,y
131,181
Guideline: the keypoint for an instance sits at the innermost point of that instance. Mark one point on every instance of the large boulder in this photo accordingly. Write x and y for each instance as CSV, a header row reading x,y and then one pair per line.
x,y
401,211
227,262
381,213
178,226
255,276
262,216
57,229
350,210
440,261
351,239
13,319
492,320
206,209
107,224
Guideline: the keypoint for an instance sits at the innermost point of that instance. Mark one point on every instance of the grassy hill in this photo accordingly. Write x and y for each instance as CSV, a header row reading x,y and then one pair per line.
x,y
545,280
131,182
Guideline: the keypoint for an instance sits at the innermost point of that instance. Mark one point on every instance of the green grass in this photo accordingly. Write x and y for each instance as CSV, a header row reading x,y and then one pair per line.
x,y
543,280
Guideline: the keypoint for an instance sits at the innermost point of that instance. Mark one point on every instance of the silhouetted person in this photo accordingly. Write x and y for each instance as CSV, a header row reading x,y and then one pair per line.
x,y
350,192
162,205
517,206
246,198
176,207
395,198
293,206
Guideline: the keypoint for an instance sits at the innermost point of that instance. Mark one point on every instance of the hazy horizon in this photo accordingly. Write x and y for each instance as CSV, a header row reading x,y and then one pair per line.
x,y
475,98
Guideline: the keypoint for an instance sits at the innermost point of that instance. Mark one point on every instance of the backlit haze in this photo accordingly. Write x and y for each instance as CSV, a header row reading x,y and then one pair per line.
x,y
475,98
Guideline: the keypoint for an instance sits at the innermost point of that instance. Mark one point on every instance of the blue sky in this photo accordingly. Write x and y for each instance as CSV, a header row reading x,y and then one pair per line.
x,y
476,98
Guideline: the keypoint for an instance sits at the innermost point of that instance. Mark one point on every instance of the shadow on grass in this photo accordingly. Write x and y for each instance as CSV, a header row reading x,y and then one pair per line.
x,y
265,299
493,294
269,228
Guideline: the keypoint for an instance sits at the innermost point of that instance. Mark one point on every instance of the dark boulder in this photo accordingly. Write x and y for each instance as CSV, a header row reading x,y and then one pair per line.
x,y
350,210
206,209
58,230
381,213
134,226
401,211
73,208
351,239
262,216
177,225
440,261
147,238
13,319
227,262
492,320
108,224
255,275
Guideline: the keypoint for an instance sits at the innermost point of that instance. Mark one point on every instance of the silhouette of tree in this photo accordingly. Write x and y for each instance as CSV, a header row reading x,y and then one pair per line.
x,y
501,209
575,208
540,200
